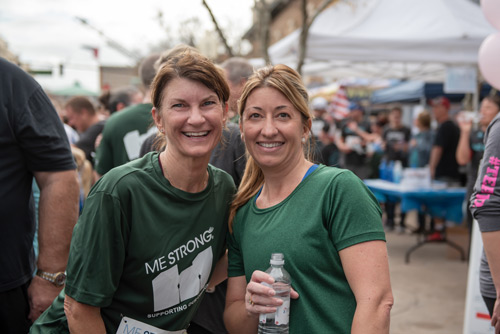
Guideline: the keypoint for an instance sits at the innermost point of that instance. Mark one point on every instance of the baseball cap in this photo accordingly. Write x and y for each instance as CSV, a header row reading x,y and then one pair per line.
x,y
355,106
440,101
319,103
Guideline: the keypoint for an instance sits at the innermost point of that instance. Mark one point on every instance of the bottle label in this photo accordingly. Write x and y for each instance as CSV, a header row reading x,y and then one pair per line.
x,y
283,313
280,317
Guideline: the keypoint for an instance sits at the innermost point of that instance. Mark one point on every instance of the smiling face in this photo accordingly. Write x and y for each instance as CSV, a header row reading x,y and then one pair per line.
x,y
273,129
192,116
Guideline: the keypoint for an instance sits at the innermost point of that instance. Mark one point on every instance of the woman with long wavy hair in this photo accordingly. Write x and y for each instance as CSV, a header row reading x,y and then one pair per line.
x,y
323,219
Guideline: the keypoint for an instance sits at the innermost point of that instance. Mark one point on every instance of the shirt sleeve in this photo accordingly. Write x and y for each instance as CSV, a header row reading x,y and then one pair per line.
x,y
97,253
485,200
354,214
41,136
235,258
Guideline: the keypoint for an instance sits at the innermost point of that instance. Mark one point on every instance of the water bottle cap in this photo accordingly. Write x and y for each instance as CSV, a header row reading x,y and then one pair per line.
x,y
277,259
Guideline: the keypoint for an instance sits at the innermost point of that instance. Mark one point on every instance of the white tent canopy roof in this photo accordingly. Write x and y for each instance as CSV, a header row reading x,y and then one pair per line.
x,y
440,32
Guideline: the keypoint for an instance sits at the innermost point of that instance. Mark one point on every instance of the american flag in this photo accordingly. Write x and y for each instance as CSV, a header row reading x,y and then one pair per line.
x,y
339,107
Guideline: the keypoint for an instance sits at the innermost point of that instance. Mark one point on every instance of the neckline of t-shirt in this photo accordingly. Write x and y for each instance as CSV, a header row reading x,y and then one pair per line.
x,y
181,193
311,170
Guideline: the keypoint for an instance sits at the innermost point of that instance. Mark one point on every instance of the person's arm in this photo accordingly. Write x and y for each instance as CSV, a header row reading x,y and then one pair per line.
x,y
83,318
341,144
58,213
464,152
436,153
367,271
220,273
244,302
366,136
406,143
236,317
485,204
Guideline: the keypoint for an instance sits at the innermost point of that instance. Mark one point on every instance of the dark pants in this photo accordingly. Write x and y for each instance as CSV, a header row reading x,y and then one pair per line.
x,y
490,303
422,222
14,310
390,209
209,317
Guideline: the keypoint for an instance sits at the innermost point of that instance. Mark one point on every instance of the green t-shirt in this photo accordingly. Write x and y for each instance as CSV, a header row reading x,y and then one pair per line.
x,y
143,249
123,135
329,210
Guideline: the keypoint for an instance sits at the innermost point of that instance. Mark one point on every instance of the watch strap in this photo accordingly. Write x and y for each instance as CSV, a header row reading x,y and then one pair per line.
x,y
51,277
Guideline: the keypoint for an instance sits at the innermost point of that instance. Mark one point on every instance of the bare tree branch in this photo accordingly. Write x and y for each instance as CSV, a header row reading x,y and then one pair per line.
x,y
264,17
219,31
321,8
306,25
303,36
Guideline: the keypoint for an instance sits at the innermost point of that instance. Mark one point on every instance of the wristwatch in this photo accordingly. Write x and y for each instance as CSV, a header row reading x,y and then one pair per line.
x,y
58,279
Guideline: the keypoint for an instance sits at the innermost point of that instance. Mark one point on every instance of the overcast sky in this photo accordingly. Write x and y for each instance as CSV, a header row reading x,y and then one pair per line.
x,y
46,32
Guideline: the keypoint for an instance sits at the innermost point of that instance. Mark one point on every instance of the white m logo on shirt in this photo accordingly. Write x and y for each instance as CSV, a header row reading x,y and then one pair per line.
x,y
170,288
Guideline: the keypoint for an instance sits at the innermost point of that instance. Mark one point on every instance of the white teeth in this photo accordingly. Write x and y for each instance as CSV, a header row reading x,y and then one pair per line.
x,y
269,145
196,134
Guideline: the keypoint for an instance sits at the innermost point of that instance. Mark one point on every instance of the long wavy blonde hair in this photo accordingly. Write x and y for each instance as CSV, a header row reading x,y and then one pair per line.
x,y
289,83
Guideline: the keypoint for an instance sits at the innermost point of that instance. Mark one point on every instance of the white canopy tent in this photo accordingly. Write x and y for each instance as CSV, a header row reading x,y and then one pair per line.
x,y
408,39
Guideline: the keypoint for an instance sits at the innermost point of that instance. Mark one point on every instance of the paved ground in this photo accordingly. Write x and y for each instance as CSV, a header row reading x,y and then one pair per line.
x,y
430,291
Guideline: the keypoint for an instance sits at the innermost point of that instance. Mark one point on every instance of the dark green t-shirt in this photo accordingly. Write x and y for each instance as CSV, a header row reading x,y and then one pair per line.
x,y
329,210
143,249
123,135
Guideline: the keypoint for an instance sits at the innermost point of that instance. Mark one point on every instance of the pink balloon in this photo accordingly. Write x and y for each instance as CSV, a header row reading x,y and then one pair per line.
x,y
491,9
489,59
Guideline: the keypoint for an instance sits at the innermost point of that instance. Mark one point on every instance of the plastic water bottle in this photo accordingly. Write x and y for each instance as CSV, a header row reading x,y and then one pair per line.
x,y
277,323
382,168
397,172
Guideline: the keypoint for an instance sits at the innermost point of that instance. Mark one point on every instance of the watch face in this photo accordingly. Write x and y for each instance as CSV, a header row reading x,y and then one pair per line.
x,y
60,279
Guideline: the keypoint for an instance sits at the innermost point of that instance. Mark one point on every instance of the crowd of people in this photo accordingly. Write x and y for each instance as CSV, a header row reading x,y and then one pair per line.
x,y
158,207
449,143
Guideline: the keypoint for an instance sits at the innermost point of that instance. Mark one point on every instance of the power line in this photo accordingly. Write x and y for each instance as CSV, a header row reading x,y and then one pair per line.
x,y
111,42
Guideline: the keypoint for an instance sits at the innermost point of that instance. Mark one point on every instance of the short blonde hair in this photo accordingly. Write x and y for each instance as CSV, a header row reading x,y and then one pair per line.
x,y
424,118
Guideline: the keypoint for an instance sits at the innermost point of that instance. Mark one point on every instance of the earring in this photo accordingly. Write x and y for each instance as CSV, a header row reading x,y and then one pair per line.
x,y
303,140
162,130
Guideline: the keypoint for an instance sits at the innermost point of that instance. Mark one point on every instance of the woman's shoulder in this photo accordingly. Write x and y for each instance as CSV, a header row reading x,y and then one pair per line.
x,y
131,172
331,171
220,176
334,176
